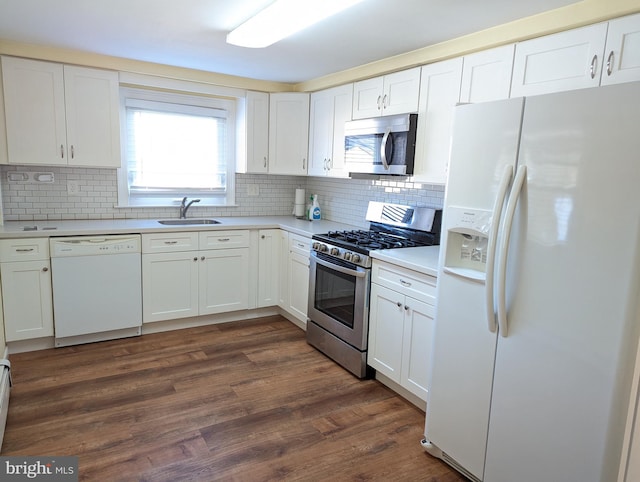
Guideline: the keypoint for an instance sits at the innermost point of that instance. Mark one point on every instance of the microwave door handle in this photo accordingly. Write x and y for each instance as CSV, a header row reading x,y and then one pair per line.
x,y
383,149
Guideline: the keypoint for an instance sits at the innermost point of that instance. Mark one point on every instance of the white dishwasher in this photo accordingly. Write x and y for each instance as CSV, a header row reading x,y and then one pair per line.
x,y
97,288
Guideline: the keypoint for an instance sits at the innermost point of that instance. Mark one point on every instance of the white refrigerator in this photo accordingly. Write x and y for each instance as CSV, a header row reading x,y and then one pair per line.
x,y
538,311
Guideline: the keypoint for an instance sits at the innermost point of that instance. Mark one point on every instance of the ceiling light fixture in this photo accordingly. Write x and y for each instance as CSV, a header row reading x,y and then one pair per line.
x,y
283,18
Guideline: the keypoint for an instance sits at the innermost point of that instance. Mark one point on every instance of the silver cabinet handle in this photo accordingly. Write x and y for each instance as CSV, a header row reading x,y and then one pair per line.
x,y
222,240
265,161
384,101
45,269
594,66
195,258
202,258
379,102
24,250
61,151
72,152
170,242
405,283
304,166
610,63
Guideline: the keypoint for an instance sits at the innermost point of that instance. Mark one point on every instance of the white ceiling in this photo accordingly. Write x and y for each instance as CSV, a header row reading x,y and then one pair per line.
x,y
191,33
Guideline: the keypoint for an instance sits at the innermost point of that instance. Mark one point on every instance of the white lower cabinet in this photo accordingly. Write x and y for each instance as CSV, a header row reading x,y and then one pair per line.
x,y
269,241
294,285
401,321
181,280
25,269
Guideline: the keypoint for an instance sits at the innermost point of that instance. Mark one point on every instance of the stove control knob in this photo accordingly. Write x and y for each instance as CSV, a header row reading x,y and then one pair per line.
x,y
322,247
335,251
316,246
347,256
355,257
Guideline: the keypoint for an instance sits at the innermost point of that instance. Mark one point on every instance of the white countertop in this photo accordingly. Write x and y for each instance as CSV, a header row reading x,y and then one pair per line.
x,y
423,259
16,229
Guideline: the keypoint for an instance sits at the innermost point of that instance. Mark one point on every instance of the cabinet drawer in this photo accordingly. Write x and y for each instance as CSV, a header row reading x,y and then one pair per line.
x,y
224,239
408,282
24,249
299,244
169,242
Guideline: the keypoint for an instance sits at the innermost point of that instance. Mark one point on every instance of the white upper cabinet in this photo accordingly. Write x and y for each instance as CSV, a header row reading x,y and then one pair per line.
x,y
439,93
329,111
288,133
563,61
61,115
3,130
486,75
256,128
395,93
622,53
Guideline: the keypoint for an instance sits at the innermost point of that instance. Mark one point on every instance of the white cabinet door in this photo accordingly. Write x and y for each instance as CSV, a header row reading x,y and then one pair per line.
x,y
320,133
283,296
401,92
257,133
288,133
299,285
439,94
296,284
329,111
367,98
416,346
169,285
268,267
27,297
486,75
563,61
3,126
61,115
93,117
34,111
622,53
395,93
223,280
386,327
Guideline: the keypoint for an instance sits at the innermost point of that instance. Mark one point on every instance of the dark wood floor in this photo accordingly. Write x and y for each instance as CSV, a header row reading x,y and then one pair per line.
x,y
245,401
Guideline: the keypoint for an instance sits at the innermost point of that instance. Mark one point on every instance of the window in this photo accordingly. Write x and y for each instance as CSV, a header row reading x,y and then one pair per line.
x,y
176,145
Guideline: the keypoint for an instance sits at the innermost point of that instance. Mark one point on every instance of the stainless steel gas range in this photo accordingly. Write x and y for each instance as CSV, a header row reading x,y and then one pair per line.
x,y
340,278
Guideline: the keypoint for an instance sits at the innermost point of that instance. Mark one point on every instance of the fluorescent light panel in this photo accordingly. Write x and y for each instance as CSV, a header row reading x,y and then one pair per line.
x,y
283,18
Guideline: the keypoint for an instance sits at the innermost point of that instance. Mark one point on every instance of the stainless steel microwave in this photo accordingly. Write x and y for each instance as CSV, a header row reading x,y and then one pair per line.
x,y
381,145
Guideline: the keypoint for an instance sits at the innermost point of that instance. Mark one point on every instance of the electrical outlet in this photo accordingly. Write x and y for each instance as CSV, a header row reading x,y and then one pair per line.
x,y
73,188
253,190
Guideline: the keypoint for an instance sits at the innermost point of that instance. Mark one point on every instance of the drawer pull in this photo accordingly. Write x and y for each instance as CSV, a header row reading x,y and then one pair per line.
x,y
405,283
300,245
170,242
24,250
45,269
224,239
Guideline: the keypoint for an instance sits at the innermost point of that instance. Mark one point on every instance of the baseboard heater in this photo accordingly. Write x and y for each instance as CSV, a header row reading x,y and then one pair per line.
x,y
5,389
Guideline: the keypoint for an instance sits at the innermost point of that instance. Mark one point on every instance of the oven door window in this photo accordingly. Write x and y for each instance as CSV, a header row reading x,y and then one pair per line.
x,y
335,294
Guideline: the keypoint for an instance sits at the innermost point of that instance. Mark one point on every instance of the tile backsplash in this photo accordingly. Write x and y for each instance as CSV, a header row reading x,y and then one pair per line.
x,y
341,200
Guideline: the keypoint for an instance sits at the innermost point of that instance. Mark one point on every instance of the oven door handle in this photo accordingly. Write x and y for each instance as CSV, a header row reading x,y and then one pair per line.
x,y
341,269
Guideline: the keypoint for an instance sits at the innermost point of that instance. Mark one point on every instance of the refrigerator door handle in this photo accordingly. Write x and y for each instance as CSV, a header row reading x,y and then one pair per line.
x,y
514,196
503,187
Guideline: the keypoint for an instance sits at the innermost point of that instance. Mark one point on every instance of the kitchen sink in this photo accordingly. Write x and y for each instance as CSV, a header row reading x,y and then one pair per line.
x,y
187,222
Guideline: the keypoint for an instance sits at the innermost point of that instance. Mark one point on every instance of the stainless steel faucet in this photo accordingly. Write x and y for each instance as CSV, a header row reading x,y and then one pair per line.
x,y
184,206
